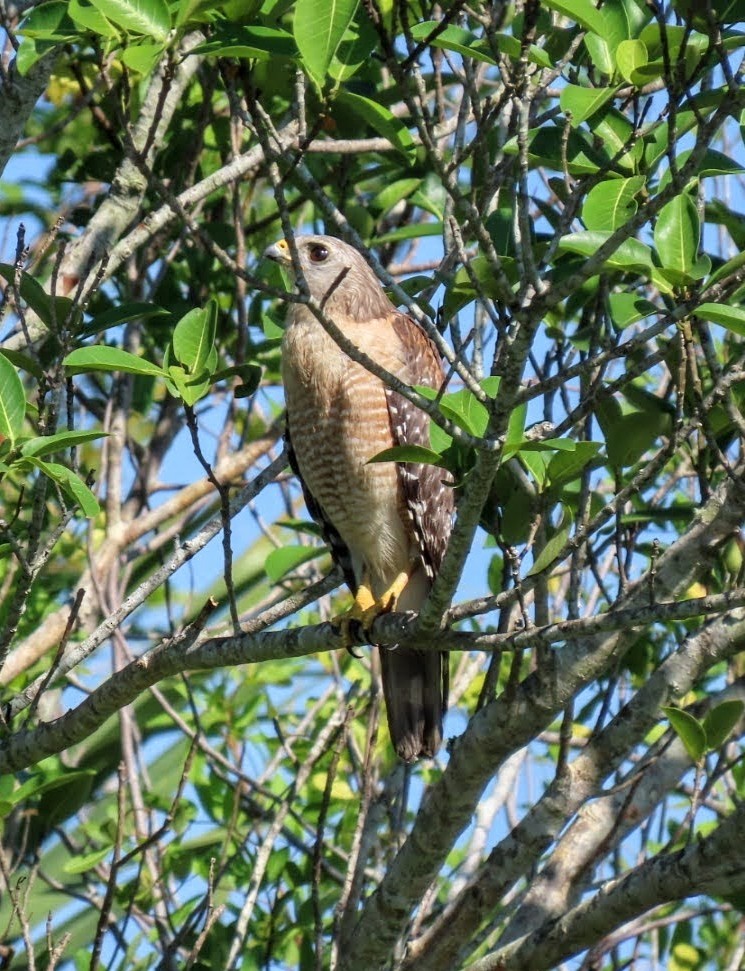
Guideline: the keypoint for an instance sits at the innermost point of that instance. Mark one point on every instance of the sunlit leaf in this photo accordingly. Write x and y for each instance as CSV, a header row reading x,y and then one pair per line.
x,y
12,401
689,730
318,27
147,17
102,358
676,234
720,722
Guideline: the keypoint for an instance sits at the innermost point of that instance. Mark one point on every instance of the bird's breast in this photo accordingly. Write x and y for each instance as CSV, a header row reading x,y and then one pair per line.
x,y
338,420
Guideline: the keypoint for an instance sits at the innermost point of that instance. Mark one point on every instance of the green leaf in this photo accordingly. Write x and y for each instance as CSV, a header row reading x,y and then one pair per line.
x,y
147,17
630,55
318,28
189,387
676,234
414,231
581,103
511,46
689,730
256,42
37,298
409,453
250,375
393,193
383,122
23,362
142,58
81,864
462,291
515,427
721,721
194,337
88,18
536,463
32,51
355,48
630,255
47,444
466,411
611,203
452,38
555,545
122,314
582,12
733,318
102,358
37,784
549,146
614,133
70,483
12,401
565,467
627,308
285,559
631,436
48,21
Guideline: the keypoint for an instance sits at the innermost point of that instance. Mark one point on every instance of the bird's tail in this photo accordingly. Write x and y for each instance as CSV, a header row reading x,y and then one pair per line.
x,y
415,685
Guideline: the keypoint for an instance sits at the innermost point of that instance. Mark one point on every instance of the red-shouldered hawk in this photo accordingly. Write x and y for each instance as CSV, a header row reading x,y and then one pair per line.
x,y
387,524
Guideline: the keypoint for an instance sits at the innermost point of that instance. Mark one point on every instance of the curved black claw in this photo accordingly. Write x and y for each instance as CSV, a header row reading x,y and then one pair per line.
x,y
353,629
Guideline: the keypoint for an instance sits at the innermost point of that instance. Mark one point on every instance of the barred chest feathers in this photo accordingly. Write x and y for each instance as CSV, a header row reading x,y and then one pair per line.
x,y
339,421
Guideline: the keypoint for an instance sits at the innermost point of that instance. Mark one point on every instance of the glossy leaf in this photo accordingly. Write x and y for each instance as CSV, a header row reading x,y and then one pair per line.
x,y
581,103
629,255
256,42
451,39
630,55
37,298
611,203
70,483
285,559
194,337
60,441
409,453
627,308
122,314
548,146
147,17
689,730
318,27
720,722
733,318
89,18
382,121
565,467
12,401
555,545
676,234
102,358
583,12
142,58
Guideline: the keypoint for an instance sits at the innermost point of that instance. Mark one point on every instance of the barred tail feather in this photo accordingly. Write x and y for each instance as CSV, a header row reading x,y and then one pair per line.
x,y
415,690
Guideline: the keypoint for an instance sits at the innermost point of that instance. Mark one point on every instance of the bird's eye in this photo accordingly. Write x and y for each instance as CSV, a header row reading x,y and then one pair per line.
x,y
318,253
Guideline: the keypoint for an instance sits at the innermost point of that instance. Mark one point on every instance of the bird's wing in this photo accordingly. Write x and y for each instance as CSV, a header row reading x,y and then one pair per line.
x,y
427,489
416,683
339,550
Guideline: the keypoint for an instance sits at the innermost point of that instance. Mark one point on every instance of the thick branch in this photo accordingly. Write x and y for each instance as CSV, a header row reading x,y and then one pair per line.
x,y
504,726
706,866
18,97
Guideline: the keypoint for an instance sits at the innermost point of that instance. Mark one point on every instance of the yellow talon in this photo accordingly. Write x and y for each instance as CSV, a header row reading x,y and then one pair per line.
x,y
366,608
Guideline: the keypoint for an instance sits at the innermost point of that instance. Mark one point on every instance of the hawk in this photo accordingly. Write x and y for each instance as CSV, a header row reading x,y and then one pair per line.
x,y
387,524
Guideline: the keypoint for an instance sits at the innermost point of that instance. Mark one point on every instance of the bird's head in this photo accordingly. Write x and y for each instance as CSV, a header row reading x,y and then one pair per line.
x,y
337,276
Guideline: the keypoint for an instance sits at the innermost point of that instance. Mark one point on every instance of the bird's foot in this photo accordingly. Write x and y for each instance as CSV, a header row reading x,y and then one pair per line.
x,y
358,620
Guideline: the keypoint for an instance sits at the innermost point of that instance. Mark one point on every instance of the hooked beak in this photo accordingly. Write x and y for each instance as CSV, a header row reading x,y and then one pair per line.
x,y
279,252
